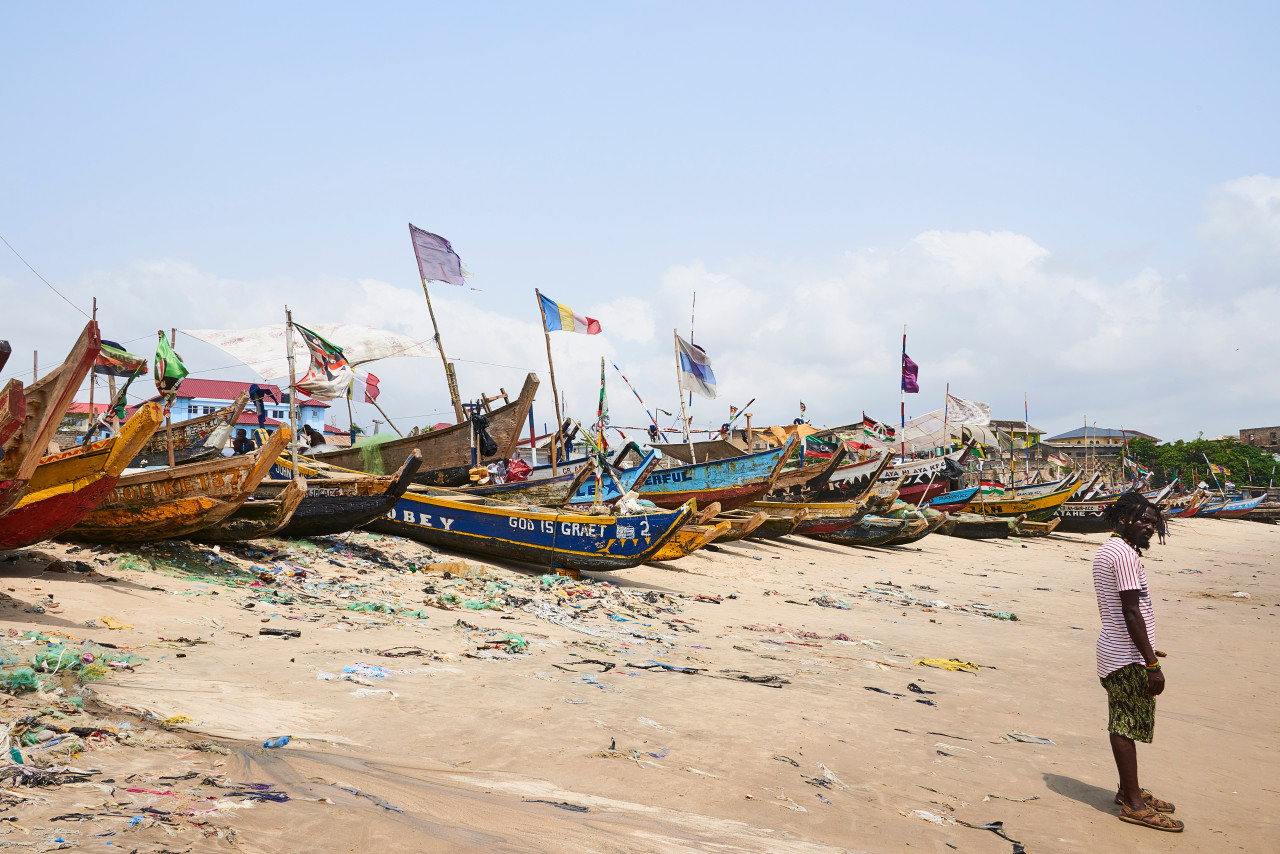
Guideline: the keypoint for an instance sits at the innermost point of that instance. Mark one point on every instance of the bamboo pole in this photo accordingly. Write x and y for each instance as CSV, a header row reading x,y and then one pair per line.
x,y
902,397
684,418
384,415
168,415
555,395
93,377
450,377
293,391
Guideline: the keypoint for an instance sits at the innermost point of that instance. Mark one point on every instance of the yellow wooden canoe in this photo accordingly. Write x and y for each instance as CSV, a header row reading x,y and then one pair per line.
x,y
689,539
173,502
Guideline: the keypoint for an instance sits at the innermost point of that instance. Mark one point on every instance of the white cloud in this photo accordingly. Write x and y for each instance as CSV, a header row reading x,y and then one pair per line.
x,y
993,313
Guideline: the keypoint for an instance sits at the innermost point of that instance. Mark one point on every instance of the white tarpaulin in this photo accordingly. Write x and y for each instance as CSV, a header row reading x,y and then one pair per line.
x,y
961,417
264,350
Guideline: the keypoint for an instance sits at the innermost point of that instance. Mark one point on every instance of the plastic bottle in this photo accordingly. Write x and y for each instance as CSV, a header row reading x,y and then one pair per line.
x,y
278,741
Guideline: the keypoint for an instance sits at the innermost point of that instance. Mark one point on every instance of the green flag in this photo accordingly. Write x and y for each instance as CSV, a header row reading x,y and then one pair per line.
x,y
169,370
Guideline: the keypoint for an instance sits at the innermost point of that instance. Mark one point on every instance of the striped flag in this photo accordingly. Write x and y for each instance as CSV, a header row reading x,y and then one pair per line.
x,y
560,318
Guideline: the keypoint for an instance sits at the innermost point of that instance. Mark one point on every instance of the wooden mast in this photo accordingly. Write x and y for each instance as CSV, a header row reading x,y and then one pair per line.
x,y
168,410
684,418
450,377
93,376
555,395
293,391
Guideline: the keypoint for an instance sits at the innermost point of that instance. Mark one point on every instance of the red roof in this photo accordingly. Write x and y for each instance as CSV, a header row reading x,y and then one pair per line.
x,y
250,418
337,431
83,408
193,387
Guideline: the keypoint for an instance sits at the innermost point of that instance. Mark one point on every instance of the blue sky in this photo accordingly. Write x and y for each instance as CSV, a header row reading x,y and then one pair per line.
x,y
203,166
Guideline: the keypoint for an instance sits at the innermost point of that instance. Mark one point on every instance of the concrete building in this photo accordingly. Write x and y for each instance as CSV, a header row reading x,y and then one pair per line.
x,y
1093,441
1267,438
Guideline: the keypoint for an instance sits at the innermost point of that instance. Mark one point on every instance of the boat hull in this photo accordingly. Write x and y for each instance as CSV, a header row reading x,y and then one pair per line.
x,y
336,506
1040,508
254,519
67,486
1083,517
868,531
732,482
688,539
168,503
1231,509
976,527
446,453
552,538
915,535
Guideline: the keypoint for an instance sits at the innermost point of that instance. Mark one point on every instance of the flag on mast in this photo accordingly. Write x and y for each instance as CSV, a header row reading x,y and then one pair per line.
x,y
695,369
115,361
910,374
560,318
370,389
328,375
437,262
169,370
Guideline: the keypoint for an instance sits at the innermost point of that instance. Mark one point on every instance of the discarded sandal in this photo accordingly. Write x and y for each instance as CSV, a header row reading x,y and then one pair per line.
x,y
1151,801
1150,818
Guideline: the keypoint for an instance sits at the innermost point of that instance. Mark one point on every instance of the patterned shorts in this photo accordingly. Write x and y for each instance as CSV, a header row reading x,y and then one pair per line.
x,y
1131,710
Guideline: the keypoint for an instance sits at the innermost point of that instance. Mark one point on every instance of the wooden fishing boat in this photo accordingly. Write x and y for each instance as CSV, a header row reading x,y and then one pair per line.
x,y
158,504
338,501
852,480
954,501
932,523
576,488
1040,508
5,351
776,526
194,439
1188,507
689,539
971,526
66,486
446,453
1232,508
733,482
44,404
817,517
256,517
13,409
742,524
871,531
1084,517
1028,528
807,479
558,539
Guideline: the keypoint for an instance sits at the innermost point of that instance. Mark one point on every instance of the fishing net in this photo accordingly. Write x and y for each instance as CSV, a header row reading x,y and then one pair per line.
x,y
370,448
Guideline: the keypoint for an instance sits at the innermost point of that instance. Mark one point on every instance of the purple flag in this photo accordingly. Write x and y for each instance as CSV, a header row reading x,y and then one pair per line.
x,y
910,372
437,262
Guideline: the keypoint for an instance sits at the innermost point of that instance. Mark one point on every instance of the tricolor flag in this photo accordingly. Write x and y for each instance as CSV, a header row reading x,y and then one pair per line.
x,y
328,375
560,318
695,369
437,262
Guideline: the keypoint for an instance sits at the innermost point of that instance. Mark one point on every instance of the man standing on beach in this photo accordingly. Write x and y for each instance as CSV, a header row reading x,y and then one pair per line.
x,y
1127,662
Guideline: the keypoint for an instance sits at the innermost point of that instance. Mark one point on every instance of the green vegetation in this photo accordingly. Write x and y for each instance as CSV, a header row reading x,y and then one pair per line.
x,y
1186,461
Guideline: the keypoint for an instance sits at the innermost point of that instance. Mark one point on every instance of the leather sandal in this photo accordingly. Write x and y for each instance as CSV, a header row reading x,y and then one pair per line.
x,y
1151,801
1150,818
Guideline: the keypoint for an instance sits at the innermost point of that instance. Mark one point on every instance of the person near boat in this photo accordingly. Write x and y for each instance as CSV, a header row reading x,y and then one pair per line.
x,y
1128,665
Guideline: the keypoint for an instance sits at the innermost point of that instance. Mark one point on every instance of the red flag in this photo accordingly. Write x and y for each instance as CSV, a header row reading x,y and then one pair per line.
x,y
370,389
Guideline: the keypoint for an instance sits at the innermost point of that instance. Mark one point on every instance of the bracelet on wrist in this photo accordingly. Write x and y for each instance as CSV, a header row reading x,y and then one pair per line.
x,y
1153,666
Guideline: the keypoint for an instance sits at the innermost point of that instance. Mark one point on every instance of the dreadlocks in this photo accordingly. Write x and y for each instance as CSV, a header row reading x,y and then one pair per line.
x,y
1128,507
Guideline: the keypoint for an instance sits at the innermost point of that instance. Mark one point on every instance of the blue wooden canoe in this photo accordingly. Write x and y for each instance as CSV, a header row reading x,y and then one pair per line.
x,y
1232,508
734,482
548,537
574,487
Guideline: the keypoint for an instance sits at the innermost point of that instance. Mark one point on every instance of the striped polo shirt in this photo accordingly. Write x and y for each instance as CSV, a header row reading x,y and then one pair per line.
x,y
1118,567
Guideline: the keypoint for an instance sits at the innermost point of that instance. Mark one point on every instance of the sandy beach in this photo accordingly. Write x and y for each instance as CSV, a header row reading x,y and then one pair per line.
x,y
764,697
